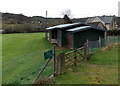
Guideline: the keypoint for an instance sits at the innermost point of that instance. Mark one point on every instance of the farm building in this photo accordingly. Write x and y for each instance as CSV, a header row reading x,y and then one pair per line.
x,y
74,35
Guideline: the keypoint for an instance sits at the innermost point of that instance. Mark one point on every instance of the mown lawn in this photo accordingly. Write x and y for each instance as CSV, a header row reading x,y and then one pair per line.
x,y
102,68
0,59
22,57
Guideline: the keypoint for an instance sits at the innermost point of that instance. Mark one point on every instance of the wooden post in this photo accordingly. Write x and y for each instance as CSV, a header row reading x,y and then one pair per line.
x,y
75,57
107,40
41,71
50,36
86,50
87,47
54,55
113,39
60,64
105,35
85,54
100,42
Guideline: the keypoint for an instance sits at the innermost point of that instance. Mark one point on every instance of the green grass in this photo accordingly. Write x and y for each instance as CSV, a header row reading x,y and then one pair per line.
x,y
0,59
22,57
102,68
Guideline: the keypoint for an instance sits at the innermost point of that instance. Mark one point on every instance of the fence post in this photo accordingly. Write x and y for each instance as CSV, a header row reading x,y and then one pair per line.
x,y
105,34
108,41
75,56
54,54
113,39
87,47
85,50
100,42
60,64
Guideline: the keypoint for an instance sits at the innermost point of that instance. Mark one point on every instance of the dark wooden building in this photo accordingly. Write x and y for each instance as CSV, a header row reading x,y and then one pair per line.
x,y
78,36
74,35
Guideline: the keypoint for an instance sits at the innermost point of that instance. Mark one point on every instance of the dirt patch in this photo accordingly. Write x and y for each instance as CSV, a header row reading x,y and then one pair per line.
x,y
44,81
60,47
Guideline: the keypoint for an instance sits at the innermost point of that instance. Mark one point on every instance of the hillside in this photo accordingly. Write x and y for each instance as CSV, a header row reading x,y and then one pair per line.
x,y
10,18
22,57
19,23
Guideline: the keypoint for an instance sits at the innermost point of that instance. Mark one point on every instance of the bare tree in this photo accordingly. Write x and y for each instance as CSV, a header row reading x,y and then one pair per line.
x,y
67,12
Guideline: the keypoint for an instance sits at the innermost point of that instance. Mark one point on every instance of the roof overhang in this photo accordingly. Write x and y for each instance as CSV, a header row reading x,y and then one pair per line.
x,y
63,26
74,30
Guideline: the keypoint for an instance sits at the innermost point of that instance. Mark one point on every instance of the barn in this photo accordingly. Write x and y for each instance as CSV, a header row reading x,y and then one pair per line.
x,y
73,35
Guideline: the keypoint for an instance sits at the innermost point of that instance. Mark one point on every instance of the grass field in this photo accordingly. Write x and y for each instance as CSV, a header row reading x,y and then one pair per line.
x,y
23,57
0,59
101,69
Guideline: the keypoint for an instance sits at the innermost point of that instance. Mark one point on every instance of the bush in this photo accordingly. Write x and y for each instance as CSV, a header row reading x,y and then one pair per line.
x,y
114,32
7,29
21,28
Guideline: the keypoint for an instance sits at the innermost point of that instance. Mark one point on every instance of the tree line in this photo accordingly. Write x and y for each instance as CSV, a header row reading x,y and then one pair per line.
x,y
22,28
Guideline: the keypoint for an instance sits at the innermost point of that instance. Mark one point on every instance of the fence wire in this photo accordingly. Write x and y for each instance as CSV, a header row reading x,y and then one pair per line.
x,y
102,42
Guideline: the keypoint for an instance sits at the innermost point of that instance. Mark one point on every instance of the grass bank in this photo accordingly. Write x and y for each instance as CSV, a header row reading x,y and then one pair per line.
x,y
23,57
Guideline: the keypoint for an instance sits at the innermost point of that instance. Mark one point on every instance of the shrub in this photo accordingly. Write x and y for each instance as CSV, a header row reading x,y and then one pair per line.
x,y
114,32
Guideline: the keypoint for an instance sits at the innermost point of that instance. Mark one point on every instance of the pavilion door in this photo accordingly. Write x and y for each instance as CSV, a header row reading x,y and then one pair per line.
x,y
54,34
69,42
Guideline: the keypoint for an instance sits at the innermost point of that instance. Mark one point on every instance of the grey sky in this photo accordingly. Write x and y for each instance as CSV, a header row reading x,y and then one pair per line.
x,y
79,8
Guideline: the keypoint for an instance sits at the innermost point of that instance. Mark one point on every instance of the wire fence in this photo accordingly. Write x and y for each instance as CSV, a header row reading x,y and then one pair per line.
x,y
102,42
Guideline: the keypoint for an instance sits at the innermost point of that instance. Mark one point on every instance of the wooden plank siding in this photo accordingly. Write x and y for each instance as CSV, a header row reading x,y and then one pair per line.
x,y
69,41
80,38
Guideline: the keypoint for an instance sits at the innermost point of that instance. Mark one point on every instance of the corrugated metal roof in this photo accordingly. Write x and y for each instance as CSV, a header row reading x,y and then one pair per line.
x,y
84,28
63,26
78,28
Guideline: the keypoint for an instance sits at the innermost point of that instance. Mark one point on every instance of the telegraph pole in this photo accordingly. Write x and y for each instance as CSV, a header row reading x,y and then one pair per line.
x,y
46,14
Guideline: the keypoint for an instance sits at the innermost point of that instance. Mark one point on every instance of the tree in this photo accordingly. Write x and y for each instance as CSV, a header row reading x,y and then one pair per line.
x,y
67,12
66,19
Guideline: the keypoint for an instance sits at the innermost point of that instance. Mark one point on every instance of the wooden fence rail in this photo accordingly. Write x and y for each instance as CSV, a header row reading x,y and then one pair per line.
x,y
72,57
64,60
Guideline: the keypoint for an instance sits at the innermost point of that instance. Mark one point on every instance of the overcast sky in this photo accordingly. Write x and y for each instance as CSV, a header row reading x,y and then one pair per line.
x,y
79,8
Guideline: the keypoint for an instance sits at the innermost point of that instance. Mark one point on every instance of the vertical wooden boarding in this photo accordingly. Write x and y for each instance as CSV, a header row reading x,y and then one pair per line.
x,y
69,43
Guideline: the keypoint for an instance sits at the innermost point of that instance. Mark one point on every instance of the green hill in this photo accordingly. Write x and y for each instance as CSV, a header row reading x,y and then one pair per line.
x,y
22,57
